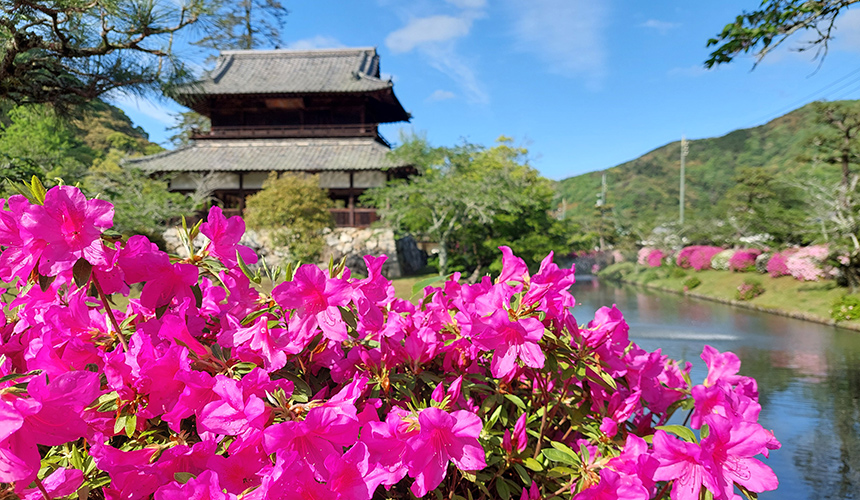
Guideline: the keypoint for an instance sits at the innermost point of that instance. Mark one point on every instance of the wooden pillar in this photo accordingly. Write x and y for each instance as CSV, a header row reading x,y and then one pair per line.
x,y
351,200
241,192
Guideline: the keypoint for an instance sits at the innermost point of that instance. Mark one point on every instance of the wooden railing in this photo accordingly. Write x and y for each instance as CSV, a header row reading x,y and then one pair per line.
x,y
343,217
263,131
360,217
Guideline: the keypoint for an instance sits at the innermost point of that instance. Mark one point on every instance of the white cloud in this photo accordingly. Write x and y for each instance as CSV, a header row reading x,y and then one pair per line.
x,y
662,26
847,32
468,4
425,30
441,95
316,42
435,38
568,35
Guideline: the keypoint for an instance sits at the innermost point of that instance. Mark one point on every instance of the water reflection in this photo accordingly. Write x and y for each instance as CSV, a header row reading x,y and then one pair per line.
x,y
808,376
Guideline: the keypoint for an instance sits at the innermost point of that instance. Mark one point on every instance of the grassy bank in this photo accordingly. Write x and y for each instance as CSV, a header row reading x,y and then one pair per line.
x,y
784,295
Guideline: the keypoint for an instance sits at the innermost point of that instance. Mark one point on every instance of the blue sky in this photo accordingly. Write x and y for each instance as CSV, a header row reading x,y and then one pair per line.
x,y
583,84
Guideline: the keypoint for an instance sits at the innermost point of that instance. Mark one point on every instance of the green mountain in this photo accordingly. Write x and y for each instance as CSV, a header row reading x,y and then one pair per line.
x,y
644,192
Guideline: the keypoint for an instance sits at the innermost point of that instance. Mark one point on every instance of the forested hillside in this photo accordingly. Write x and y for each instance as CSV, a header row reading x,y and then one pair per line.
x,y
722,174
86,146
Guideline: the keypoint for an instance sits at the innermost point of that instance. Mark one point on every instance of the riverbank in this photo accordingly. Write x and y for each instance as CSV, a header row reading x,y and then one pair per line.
x,y
786,296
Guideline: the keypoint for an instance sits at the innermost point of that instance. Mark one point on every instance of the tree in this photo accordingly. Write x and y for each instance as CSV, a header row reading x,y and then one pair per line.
x,y
758,204
295,209
837,143
39,142
466,199
245,25
761,31
187,124
68,52
142,205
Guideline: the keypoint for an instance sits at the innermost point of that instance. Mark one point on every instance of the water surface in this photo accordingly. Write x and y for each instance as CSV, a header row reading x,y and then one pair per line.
x,y
808,376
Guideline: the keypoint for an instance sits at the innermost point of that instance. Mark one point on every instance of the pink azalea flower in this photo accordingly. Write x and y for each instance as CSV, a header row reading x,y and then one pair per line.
x,y
512,341
614,486
513,267
61,483
203,487
70,225
685,463
233,413
224,235
732,444
444,437
721,366
315,299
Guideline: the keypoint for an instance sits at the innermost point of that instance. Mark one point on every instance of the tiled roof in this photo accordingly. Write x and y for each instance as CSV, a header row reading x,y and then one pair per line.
x,y
292,71
271,154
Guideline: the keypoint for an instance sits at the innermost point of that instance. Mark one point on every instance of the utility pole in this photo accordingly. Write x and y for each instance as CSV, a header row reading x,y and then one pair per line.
x,y
684,150
601,203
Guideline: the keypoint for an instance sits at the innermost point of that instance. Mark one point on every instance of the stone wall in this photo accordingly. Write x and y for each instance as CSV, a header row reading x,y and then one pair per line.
x,y
352,243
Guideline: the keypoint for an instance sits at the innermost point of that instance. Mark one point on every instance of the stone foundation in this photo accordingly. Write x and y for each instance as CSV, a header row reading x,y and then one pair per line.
x,y
343,242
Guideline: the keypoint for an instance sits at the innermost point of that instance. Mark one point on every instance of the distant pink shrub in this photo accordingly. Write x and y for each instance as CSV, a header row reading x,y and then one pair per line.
x,y
697,256
807,263
777,266
655,258
642,256
744,259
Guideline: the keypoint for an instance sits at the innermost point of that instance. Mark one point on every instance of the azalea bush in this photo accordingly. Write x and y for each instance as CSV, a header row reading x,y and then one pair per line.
x,y
749,289
720,261
744,260
807,263
207,387
697,257
651,257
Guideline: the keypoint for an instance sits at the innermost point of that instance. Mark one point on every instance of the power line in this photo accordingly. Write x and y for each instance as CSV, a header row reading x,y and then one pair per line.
x,y
807,98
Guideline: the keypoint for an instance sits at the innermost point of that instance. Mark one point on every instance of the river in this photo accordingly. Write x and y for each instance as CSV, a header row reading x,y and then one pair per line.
x,y
808,377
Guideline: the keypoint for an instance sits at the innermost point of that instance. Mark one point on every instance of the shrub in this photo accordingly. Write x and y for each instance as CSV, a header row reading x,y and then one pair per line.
x,y
750,289
777,266
328,386
806,264
655,258
692,282
617,272
762,261
697,257
846,308
295,209
677,273
720,261
649,276
744,260
642,255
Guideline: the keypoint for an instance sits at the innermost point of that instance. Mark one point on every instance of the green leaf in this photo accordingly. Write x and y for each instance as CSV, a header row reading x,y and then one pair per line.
x,y
563,448
130,425
301,390
255,277
16,376
119,425
516,400
524,475
679,430
533,464
183,477
38,190
559,456
420,285
81,272
198,294
45,282
502,489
